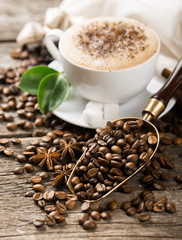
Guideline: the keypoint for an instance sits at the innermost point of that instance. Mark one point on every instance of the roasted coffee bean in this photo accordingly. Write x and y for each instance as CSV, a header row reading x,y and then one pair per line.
x,y
9,152
158,207
148,196
95,215
152,140
170,207
155,164
149,205
50,221
178,141
19,170
143,217
162,199
141,207
29,194
78,187
38,187
83,218
179,178
147,178
105,215
29,167
38,223
136,201
116,149
100,188
44,175
49,208
38,122
89,225
158,185
126,205
61,195
127,189
36,179
59,219
37,196
113,205
85,207
48,195
15,141
61,208
165,175
92,172
70,204
4,141
41,203
131,211
96,195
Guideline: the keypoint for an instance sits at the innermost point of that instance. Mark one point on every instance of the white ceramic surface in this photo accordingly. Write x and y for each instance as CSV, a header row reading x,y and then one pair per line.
x,y
71,110
103,86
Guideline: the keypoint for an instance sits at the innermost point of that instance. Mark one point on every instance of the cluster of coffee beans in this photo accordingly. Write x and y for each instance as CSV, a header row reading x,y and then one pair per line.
x,y
95,213
116,152
146,203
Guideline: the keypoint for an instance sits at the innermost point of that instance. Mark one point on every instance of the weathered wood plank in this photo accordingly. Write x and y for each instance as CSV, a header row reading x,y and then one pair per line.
x,y
18,212
14,14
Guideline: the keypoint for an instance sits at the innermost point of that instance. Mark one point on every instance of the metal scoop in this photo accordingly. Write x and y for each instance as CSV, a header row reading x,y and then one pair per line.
x,y
155,106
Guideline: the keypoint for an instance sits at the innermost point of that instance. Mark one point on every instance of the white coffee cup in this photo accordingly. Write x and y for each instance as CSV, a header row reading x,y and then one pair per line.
x,y
103,86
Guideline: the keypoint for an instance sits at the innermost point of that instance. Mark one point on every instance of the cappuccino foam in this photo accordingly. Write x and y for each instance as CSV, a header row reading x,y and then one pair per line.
x,y
109,43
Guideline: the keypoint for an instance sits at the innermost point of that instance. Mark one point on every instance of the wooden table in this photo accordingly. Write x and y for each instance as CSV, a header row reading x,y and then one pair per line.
x,y
17,212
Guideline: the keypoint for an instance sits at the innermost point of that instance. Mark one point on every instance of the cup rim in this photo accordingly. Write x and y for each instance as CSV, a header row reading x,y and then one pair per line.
x,y
123,70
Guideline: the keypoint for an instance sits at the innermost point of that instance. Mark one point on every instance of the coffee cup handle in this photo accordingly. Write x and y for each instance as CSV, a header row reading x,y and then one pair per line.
x,y
49,39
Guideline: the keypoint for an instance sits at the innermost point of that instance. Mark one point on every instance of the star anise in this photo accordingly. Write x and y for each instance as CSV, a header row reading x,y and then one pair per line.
x,y
69,148
62,175
46,157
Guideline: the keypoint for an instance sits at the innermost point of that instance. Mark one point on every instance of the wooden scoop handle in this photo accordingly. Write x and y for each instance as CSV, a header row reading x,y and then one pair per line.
x,y
158,102
169,88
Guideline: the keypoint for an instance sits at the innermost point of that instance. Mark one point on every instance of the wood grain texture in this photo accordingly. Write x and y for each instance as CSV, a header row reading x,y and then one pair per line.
x,y
18,212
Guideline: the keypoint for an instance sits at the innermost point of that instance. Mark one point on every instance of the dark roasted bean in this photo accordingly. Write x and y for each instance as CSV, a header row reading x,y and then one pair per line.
x,y
170,207
89,225
143,217
83,218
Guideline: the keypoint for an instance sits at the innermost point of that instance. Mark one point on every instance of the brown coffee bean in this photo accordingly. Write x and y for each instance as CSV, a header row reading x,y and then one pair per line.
x,y
48,195
141,207
158,185
36,179
152,140
83,218
37,196
49,208
147,178
105,215
149,205
9,152
162,199
21,158
50,221
179,178
60,219
131,211
158,207
70,204
143,217
170,207
132,158
116,149
92,172
15,141
100,188
38,187
61,195
155,164
29,194
29,168
126,205
136,201
85,207
19,170
166,140
78,187
44,175
41,203
95,215
178,141
38,223
89,225
4,141
127,189
113,205
61,208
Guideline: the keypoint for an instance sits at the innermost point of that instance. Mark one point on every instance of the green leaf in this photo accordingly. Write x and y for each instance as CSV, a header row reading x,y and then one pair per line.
x,y
53,90
30,80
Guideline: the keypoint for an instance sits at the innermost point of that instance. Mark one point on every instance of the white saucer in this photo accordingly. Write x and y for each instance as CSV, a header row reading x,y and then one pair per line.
x,y
71,110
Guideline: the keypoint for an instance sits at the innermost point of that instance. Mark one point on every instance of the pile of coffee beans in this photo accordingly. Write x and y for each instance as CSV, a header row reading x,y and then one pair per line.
x,y
116,152
146,203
